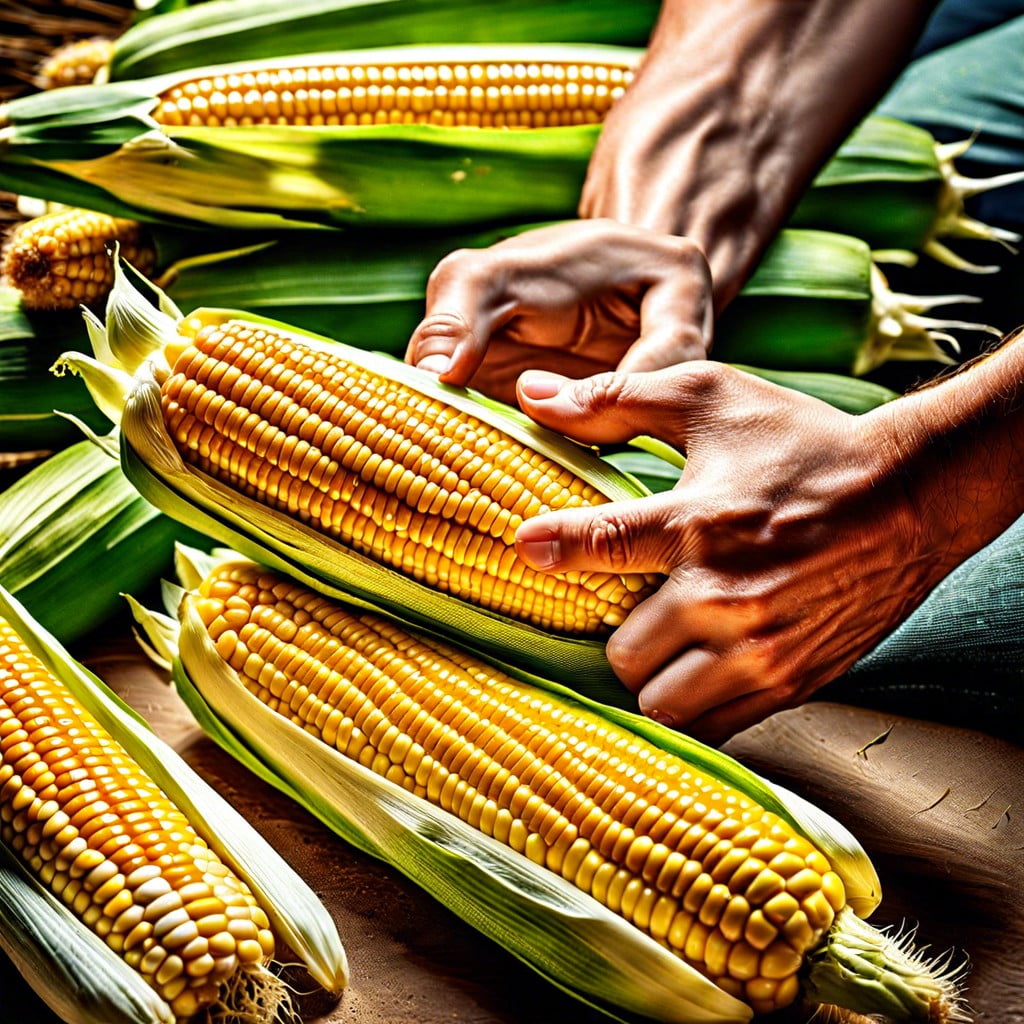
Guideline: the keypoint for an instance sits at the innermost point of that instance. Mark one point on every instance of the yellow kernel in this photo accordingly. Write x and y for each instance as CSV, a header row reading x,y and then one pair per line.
x,y
780,960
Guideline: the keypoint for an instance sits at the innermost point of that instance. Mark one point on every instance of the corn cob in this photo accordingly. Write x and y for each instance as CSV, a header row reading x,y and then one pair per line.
x,y
260,29
374,476
76,63
199,144
437,494
470,93
83,810
61,260
675,839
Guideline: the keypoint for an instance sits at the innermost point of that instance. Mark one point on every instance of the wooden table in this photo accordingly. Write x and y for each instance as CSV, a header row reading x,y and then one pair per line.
x,y
941,811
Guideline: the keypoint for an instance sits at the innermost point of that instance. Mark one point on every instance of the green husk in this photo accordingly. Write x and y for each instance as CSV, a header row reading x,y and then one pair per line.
x,y
814,303
892,184
75,534
238,30
30,396
830,309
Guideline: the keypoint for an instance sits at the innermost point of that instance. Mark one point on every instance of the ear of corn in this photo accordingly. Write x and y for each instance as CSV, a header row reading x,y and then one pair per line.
x,y
364,474
892,184
830,308
75,535
358,137
83,979
76,63
195,37
61,259
112,821
815,302
107,138
569,832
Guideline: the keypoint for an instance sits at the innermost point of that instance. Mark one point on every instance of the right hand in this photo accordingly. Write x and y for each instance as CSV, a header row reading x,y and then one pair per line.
x,y
577,298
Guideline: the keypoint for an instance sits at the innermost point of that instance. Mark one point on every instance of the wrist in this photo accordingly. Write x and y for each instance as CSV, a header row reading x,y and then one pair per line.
x,y
956,448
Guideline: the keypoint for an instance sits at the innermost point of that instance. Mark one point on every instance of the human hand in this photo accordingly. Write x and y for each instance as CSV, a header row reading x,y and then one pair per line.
x,y
580,297
791,544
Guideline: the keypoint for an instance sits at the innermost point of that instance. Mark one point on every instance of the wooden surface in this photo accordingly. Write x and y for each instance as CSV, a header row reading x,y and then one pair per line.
x,y
941,811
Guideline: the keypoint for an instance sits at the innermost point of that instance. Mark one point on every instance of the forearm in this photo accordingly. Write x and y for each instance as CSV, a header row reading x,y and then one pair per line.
x,y
959,445
734,110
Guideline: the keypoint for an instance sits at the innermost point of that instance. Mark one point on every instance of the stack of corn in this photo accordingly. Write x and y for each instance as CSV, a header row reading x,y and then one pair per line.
x,y
386,659
635,868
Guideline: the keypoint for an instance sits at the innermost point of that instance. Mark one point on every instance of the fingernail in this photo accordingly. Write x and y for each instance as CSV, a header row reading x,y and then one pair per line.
x,y
661,717
435,364
538,385
541,551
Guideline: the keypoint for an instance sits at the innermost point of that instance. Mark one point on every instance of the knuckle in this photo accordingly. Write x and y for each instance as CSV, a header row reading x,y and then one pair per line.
x,y
603,392
610,541
626,656
685,254
459,265
445,324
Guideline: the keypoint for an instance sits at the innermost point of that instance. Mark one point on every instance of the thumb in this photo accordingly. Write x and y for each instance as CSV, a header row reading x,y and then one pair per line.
x,y
607,408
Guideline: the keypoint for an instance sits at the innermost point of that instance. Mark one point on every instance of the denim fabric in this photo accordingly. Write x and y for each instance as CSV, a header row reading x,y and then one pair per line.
x,y
959,658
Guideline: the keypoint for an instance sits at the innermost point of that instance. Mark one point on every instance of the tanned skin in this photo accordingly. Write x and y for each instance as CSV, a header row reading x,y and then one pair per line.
x,y
798,536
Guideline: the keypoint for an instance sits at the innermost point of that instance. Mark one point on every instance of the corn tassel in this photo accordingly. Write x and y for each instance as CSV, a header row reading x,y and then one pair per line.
x,y
408,497
115,825
593,816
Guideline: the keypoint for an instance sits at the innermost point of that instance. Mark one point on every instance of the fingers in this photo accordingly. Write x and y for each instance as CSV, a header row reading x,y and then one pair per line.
x,y
676,316
669,404
577,284
463,309
635,536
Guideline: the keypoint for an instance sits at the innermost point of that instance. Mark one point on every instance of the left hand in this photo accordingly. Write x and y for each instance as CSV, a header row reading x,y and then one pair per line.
x,y
579,297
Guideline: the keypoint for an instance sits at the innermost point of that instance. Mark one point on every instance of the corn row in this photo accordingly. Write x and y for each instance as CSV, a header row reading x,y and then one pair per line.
x,y
483,94
403,478
703,869
104,839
